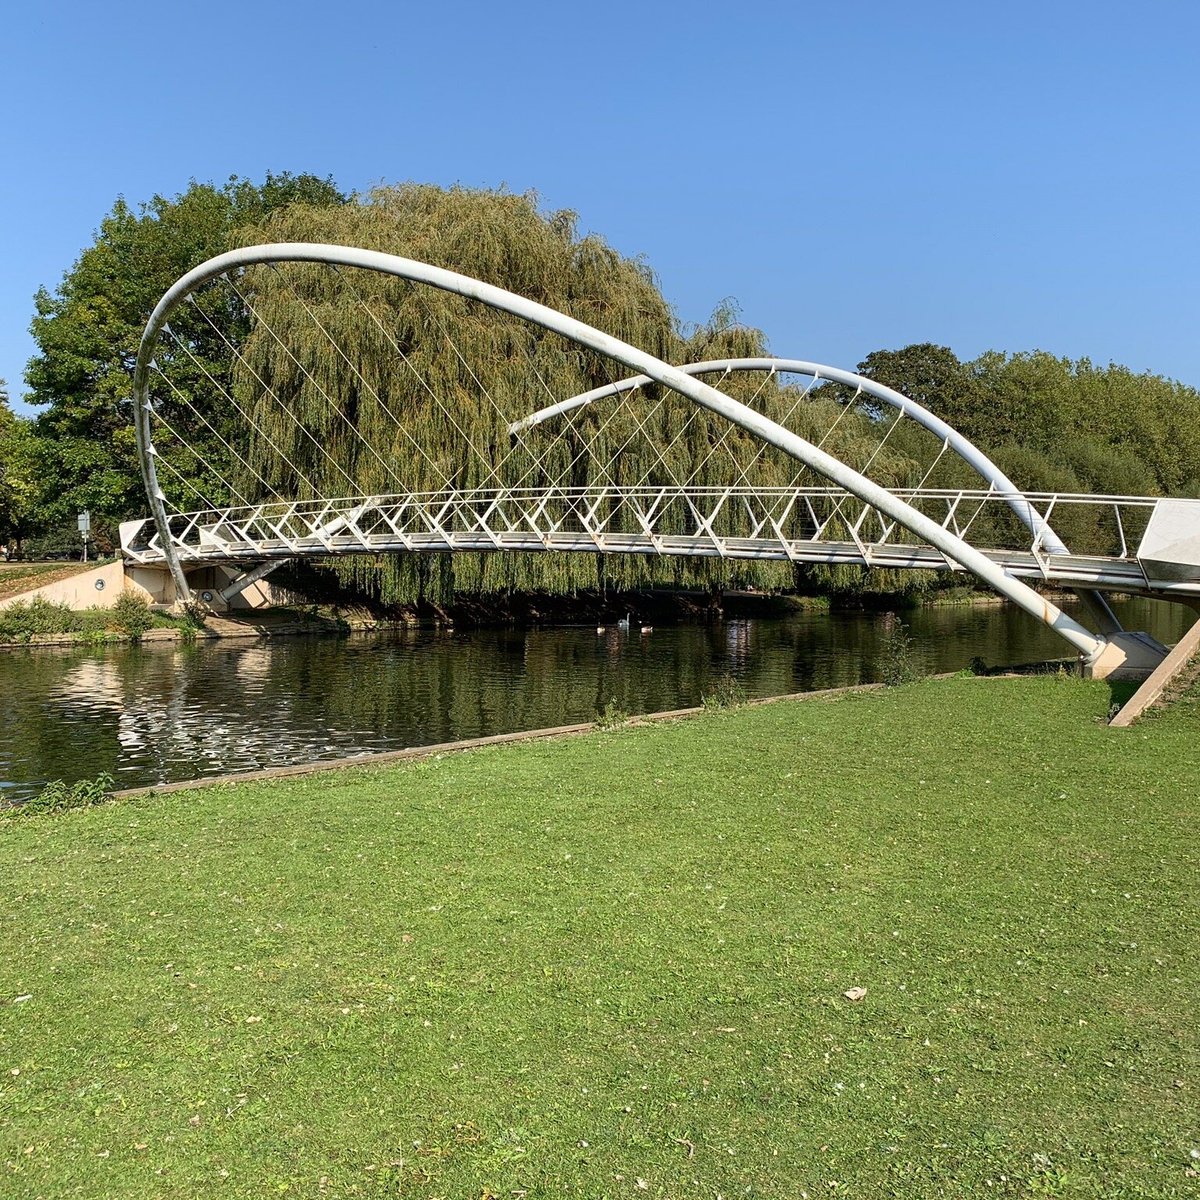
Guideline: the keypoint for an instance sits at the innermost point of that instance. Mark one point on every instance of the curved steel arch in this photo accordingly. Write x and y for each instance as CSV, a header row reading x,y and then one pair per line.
x,y
966,449
953,547
971,454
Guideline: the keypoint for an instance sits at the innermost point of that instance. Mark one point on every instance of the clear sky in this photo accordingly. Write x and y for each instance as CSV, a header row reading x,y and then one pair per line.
x,y
856,175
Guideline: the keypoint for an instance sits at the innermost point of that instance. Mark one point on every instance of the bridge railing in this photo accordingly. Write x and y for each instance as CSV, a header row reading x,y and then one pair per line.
x,y
735,522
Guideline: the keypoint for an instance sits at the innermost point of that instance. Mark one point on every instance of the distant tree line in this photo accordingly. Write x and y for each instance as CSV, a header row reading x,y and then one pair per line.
x,y
1051,423
1054,424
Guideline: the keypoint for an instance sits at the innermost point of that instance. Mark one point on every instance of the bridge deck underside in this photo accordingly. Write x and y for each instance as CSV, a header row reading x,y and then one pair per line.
x,y
1108,574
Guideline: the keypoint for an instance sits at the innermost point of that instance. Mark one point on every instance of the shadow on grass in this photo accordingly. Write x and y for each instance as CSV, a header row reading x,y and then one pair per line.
x,y
1120,691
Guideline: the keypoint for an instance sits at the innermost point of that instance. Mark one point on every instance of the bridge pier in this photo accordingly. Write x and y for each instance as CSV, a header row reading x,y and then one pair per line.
x,y
1126,655
216,587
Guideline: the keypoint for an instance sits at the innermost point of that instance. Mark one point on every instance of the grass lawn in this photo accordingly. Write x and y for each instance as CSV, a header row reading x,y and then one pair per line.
x,y
613,965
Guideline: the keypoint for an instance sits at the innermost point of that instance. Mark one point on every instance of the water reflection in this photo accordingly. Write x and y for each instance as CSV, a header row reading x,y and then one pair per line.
x,y
162,712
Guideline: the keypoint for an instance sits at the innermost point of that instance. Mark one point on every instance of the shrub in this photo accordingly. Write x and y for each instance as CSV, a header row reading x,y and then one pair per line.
x,y
22,621
92,621
132,615
62,543
724,692
612,716
895,657
58,796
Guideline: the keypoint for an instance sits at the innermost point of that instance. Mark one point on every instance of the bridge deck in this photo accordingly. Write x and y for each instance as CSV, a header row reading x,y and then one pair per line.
x,y
838,530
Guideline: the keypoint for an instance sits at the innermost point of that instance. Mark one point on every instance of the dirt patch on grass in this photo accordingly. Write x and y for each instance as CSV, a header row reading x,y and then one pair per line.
x,y
1185,685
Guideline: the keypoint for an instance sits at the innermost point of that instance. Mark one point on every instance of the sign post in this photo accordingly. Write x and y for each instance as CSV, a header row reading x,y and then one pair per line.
x,y
85,526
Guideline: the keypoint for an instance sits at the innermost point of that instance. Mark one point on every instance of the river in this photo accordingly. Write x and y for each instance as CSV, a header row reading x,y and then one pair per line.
x,y
150,714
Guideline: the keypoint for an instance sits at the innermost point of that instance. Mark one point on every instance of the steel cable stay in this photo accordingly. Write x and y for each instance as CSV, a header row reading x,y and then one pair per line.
x,y
232,490
494,469
793,408
208,503
268,391
680,433
228,395
965,449
721,442
208,425
866,466
706,523
537,464
610,417
621,495
404,358
825,437
680,488
886,529
743,470
337,346
325,395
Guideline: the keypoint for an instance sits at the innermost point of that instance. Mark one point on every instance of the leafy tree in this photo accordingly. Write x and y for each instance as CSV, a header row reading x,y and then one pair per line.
x,y
1050,422
20,473
424,366
87,333
1060,423
929,374
1117,431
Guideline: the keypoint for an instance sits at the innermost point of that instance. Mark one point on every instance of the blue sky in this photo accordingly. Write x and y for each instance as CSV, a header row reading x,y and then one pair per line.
x,y
856,175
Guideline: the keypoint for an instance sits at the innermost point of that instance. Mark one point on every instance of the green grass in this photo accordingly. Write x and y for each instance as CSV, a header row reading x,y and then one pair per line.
x,y
614,965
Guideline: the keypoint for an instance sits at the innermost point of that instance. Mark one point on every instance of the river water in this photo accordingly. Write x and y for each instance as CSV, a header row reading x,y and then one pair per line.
x,y
150,714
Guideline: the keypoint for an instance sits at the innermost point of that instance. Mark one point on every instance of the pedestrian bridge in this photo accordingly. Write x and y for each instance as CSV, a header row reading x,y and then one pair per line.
x,y
279,391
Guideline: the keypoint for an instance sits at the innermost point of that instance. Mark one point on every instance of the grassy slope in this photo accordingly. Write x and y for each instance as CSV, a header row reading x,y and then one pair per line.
x,y
613,966
18,577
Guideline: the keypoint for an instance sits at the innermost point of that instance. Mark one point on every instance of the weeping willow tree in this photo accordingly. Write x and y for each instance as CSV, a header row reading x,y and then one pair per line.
x,y
357,383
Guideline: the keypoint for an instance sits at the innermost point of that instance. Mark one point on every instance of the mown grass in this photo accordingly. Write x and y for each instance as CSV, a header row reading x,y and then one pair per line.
x,y
614,965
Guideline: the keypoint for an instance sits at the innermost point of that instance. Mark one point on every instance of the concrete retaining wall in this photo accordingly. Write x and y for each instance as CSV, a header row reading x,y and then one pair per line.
x,y
98,588
155,586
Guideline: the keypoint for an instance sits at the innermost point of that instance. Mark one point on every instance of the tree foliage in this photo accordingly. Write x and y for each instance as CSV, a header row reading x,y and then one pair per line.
x,y
1051,423
87,331
20,476
1057,424
433,381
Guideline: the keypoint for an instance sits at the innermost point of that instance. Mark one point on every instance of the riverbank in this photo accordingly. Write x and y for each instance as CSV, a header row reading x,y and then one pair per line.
x,y
615,965
17,577
45,624
174,710
42,624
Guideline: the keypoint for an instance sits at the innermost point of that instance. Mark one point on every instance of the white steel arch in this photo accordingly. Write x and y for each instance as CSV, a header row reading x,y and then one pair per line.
x,y
964,447
1044,536
953,547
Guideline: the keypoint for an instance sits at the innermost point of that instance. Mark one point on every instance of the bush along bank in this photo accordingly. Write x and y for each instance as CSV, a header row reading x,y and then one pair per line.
x,y
40,621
